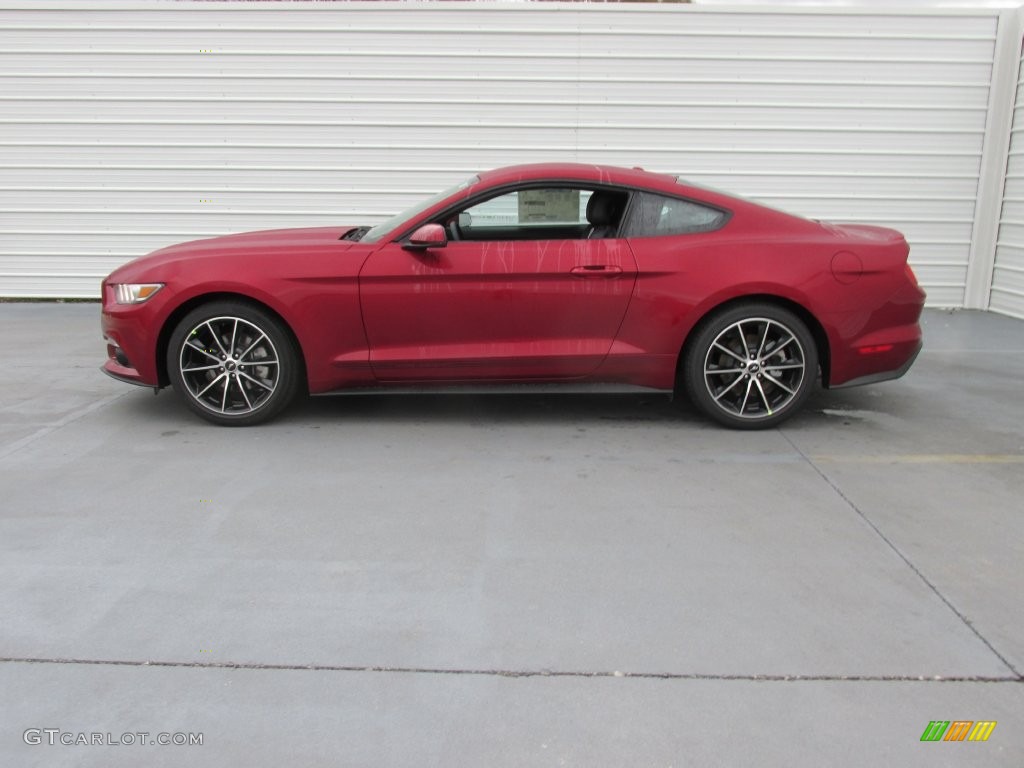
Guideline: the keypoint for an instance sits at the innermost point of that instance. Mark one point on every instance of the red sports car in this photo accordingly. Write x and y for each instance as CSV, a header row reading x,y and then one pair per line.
x,y
579,276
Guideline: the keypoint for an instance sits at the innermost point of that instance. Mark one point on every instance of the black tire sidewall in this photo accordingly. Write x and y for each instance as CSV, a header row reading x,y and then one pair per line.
x,y
693,362
288,374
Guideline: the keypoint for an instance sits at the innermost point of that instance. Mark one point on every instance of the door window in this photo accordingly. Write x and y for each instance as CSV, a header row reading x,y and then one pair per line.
x,y
537,213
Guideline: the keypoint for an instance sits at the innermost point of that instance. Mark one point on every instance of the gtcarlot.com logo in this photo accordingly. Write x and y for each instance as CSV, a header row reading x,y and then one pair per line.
x,y
55,736
958,730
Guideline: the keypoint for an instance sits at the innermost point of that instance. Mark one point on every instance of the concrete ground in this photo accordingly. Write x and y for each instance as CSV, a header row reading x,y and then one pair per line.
x,y
510,581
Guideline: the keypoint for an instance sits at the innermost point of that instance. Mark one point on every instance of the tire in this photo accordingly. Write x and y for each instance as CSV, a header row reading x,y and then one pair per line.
x,y
234,364
751,366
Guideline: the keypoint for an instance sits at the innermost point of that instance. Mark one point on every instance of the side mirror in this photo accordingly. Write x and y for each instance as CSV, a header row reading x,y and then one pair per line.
x,y
427,236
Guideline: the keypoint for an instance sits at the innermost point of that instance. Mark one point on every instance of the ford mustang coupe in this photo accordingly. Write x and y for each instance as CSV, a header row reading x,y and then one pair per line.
x,y
575,276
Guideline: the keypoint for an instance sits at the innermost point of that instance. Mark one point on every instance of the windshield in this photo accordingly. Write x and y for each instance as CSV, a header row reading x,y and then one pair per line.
x,y
377,232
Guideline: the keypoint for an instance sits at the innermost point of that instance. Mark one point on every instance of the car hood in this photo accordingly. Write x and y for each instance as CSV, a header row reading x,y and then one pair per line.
x,y
268,242
274,239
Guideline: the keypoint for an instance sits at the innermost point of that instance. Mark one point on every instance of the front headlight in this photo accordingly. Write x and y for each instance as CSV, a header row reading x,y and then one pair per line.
x,y
135,293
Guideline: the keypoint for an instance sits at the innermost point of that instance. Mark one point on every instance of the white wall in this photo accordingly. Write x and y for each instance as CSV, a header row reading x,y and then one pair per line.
x,y
1007,292
128,126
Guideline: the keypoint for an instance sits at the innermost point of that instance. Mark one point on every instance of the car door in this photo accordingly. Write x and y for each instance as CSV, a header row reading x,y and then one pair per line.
x,y
522,294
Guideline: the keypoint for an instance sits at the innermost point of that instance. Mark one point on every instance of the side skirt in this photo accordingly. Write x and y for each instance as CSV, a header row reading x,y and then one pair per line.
x,y
575,388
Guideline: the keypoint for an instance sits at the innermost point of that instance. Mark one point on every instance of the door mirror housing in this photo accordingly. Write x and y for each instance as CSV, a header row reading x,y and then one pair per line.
x,y
427,236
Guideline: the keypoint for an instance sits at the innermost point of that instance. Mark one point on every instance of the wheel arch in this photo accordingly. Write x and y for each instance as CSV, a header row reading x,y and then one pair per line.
x,y
812,323
164,338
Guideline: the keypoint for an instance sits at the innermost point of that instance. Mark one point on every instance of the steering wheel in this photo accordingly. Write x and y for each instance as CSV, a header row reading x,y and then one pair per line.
x,y
453,228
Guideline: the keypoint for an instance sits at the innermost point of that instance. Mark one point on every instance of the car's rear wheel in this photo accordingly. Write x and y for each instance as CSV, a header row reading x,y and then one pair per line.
x,y
233,363
751,366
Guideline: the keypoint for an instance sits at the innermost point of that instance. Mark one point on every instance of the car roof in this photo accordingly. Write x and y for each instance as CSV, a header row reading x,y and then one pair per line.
x,y
577,171
669,183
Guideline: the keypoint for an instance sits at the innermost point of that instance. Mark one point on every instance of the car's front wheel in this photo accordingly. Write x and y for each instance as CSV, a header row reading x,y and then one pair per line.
x,y
233,363
751,366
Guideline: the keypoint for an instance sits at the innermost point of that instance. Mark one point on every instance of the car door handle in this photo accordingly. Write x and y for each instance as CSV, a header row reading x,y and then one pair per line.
x,y
596,270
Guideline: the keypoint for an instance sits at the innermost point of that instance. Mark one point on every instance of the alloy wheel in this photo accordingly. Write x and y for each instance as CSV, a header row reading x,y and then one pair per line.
x,y
754,368
229,366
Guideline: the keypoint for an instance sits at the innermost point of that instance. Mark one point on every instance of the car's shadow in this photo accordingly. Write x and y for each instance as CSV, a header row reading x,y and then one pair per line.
x,y
823,408
494,408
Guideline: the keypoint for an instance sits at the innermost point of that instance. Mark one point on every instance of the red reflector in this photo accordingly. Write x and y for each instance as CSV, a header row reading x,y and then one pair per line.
x,y
874,350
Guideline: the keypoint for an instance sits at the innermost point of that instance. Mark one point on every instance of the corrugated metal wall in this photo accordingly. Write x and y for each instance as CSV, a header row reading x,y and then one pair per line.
x,y
1008,272
127,127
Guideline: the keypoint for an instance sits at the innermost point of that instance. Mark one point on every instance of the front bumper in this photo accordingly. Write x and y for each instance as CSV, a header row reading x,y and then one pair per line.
x,y
123,373
130,333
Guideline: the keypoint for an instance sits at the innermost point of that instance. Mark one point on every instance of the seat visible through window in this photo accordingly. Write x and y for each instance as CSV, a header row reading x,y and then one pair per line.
x,y
604,210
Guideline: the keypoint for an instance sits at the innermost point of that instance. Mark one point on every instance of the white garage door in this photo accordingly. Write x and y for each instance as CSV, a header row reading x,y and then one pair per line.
x,y
1008,274
128,126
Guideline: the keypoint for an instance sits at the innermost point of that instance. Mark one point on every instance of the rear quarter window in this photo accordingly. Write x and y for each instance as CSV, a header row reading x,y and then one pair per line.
x,y
657,215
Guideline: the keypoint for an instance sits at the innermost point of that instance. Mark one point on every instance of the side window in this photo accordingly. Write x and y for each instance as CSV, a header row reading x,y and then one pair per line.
x,y
540,213
657,215
529,207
